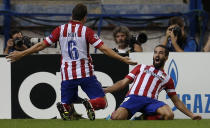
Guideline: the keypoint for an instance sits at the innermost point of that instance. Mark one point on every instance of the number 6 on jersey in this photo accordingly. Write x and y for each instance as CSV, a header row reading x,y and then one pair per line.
x,y
72,50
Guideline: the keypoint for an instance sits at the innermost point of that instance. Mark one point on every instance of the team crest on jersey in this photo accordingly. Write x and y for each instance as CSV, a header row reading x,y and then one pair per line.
x,y
96,36
155,75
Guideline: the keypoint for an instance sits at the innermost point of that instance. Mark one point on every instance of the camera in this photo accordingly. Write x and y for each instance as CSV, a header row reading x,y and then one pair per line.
x,y
28,41
177,31
140,38
19,41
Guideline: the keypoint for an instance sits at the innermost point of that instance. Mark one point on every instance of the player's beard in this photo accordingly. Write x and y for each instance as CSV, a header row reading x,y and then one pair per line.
x,y
159,65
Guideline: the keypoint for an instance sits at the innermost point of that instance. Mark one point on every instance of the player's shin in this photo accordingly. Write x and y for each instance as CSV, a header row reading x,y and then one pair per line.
x,y
98,103
67,111
64,113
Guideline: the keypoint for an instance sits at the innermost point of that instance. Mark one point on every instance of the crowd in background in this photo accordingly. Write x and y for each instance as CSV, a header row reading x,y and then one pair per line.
x,y
176,39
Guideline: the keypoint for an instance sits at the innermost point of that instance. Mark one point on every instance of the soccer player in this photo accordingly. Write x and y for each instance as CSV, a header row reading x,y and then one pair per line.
x,y
148,82
76,63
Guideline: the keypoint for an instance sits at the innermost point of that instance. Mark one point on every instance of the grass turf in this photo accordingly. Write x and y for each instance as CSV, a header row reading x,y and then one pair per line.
x,y
57,123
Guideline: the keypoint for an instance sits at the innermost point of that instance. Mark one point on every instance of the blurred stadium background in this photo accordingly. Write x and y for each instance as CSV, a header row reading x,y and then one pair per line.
x,y
36,18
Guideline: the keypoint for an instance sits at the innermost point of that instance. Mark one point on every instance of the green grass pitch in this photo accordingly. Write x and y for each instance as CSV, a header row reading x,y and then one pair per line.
x,y
58,123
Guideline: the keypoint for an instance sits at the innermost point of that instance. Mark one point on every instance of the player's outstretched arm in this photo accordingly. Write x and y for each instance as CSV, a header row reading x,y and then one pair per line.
x,y
178,103
16,55
118,85
109,52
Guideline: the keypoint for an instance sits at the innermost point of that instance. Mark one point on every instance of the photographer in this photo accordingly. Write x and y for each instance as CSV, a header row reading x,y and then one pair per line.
x,y
176,39
125,42
16,42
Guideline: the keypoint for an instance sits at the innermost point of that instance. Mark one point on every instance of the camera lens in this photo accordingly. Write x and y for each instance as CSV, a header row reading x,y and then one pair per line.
x,y
177,31
18,42
142,38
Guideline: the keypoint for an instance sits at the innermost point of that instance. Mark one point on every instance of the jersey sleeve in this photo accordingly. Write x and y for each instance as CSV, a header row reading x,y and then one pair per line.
x,y
170,88
93,38
54,36
131,76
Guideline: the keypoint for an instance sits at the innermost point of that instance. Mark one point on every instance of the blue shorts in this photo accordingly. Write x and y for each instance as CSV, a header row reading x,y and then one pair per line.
x,y
90,85
142,104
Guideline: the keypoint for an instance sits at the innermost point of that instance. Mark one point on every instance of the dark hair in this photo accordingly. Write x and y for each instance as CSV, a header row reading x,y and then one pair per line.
x,y
121,29
13,32
176,20
79,12
166,49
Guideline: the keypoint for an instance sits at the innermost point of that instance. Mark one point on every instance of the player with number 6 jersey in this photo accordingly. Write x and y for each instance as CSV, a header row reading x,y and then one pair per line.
x,y
76,63
75,39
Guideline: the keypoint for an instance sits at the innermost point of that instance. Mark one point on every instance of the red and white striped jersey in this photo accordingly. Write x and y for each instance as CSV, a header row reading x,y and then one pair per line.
x,y
74,39
149,82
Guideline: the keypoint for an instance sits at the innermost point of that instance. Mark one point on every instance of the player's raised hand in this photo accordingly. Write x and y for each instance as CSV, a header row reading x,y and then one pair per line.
x,y
196,117
14,56
127,60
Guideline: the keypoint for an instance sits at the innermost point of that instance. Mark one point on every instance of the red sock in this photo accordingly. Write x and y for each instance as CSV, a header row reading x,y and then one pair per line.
x,y
98,103
67,107
153,117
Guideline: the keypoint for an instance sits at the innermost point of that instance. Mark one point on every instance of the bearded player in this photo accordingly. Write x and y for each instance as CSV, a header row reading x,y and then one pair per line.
x,y
148,82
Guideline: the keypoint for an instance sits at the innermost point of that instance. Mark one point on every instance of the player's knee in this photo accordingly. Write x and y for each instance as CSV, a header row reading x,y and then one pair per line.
x,y
117,116
169,116
166,112
98,103
120,114
114,115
